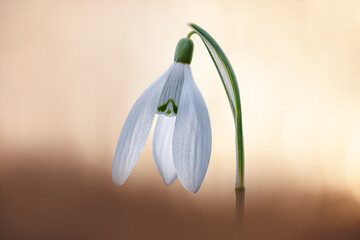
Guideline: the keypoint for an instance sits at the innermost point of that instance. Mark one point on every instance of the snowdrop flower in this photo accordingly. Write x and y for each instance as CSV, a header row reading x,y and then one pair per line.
x,y
182,138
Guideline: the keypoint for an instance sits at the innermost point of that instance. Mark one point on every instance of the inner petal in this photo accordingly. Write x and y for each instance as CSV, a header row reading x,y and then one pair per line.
x,y
162,148
171,93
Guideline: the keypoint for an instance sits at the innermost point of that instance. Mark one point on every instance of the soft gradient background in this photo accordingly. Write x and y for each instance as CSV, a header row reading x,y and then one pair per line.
x,y
70,72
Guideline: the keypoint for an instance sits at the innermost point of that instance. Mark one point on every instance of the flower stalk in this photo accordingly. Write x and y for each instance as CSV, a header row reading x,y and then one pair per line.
x,y
229,81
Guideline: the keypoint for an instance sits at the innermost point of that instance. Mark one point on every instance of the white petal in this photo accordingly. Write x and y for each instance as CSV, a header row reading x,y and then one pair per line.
x,y
136,130
171,93
192,136
162,148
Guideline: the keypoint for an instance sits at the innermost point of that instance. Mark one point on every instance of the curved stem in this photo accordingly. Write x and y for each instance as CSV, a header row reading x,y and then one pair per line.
x,y
229,81
190,34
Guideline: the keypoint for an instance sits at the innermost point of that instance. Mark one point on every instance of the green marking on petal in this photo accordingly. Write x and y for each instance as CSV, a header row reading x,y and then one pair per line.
x,y
163,107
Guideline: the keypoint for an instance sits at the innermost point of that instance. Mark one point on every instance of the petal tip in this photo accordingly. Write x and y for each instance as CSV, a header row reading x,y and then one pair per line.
x,y
193,189
118,180
168,182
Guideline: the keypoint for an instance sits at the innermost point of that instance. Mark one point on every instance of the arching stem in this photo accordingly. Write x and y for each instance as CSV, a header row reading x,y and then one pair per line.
x,y
230,84
190,34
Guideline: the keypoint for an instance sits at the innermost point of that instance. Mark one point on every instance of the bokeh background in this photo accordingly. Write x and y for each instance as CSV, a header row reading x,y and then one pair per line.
x,y
70,72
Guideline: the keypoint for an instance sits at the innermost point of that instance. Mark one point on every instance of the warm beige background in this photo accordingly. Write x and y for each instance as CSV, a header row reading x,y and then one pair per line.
x,y
70,72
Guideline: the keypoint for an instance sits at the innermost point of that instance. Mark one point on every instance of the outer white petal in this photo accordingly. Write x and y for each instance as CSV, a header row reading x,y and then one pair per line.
x,y
192,136
136,130
162,148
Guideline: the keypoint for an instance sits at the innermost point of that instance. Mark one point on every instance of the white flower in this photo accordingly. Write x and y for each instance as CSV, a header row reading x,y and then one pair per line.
x,y
182,138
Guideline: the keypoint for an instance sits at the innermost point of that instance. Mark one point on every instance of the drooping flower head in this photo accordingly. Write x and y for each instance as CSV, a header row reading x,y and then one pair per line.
x,y
182,138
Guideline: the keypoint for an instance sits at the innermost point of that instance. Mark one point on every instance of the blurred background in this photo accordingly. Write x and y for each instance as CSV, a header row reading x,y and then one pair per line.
x,y
70,72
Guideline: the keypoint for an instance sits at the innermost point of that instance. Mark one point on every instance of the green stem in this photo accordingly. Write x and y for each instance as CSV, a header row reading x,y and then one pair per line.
x,y
190,34
229,81
240,183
